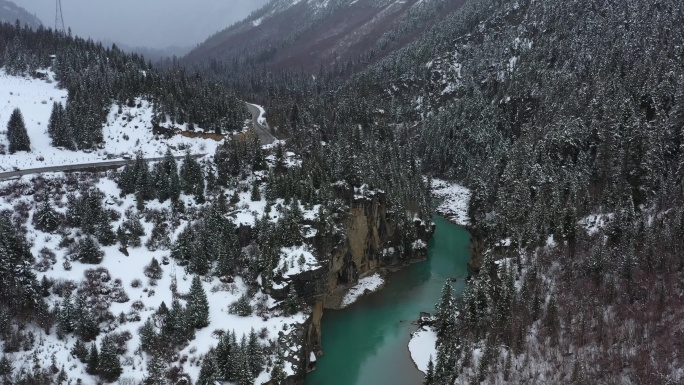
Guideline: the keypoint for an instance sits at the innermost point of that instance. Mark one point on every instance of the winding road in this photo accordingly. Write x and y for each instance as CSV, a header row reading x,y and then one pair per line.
x,y
262,132
80,167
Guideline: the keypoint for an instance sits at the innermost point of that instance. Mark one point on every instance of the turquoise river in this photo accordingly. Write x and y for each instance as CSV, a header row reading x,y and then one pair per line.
x,y
366,343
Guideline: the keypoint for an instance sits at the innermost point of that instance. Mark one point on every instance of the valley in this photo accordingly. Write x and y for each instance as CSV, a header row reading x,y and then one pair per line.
x,y
282,204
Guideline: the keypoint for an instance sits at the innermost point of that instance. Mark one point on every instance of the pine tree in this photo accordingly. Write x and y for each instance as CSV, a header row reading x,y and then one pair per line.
x,y
278,372
80,351
58,128
153,270
241,307
46,219
292,300
207,374
109,367
156,371
122,237
53,123
93,360
103,230
148,336
254,353
62,377
191,175
85,326
235,198
5,366
65,318
89,251
445,312
198,305
16,133
222,358
179,325
256,194
174,187
430,374
244,372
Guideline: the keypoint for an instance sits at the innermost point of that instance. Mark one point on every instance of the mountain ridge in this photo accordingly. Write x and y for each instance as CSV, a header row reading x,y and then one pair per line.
x,y
10,13
299,34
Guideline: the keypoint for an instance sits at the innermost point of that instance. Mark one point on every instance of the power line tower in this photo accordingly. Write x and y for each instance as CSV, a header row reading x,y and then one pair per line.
x,y
59,17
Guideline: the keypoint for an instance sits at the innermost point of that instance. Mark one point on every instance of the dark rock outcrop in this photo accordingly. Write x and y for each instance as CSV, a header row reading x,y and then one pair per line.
x,y
370,242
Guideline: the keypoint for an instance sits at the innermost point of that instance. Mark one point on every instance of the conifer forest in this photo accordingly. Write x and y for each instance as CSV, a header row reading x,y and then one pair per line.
x,y
149,234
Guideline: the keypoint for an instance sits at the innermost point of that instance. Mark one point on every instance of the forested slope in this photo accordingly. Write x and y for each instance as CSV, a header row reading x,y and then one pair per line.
x,y
11,13
316,35
152,272
97,77
565,118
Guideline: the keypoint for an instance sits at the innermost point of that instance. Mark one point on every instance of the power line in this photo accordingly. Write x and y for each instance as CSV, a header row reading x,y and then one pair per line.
x,y
59,17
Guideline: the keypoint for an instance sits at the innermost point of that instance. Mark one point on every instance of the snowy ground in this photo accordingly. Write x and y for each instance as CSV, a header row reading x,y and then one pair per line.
x,y
454,201
423,347
367,284
595,222
130,268
124,133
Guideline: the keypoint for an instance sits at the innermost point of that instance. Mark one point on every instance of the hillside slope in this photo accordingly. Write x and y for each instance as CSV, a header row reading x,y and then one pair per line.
x,y
10,13
295,34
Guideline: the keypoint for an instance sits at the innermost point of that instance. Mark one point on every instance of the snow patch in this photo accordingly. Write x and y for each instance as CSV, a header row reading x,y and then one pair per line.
x,y
370,284
124,133
295,260
455,199
423,346
595,222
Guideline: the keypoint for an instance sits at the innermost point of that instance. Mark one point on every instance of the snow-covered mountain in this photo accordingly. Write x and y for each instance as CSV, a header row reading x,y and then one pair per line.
x,y
309,33
10,13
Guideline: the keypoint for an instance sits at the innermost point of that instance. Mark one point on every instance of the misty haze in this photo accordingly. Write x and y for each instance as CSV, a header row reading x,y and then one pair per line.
x,y
145,23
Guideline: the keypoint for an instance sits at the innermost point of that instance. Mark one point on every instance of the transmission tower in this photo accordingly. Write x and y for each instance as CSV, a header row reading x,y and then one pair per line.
x,y
59,17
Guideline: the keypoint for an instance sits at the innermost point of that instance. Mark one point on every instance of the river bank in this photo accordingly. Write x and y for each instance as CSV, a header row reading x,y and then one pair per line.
x,y
364,340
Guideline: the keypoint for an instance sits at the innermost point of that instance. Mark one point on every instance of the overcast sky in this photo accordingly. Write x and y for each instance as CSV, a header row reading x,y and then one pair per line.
x,y
147,23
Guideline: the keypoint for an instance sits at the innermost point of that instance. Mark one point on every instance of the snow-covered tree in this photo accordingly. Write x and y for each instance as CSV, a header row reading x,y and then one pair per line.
x,y
89,251
156,371
198,305
46,218
109,365
16,133
93,360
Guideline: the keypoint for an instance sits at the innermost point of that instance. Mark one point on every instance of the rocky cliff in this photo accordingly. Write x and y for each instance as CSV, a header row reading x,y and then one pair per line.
x,y
368,241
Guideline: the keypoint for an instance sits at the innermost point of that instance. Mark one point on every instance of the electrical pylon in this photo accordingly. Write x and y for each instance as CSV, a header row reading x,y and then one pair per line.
x,y
59,17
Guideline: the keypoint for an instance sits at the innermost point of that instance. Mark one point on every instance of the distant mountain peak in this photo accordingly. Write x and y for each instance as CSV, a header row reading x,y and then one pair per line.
x,y
10,13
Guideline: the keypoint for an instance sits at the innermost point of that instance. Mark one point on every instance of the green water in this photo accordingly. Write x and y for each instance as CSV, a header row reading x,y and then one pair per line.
x,y
367,342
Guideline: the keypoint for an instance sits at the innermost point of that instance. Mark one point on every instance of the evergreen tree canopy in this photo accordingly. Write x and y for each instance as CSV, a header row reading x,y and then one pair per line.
x,y
17,136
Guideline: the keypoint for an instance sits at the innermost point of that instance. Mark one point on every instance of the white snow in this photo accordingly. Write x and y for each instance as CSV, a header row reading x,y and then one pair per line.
x,y
129,268
595,222
124,133
423,346
262,114
419,244
312,357
295,260
367,284
455,199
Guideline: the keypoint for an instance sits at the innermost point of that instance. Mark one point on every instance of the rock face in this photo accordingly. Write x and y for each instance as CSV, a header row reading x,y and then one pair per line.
x,y
370,242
